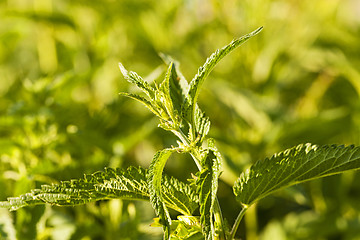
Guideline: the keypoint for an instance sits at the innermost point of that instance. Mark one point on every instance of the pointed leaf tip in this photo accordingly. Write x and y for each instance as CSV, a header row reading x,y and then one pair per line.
x,y
123,70
256,31
189,106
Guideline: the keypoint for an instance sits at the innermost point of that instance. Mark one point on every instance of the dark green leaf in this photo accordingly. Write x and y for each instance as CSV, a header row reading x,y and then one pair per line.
x,y
183,84
177,92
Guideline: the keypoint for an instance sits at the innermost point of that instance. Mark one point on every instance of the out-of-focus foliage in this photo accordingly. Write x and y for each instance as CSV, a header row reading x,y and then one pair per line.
x,y
61,116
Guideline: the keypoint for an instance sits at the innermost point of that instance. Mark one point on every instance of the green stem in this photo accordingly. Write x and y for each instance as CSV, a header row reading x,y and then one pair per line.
x,y
237,222
219,221
197,162
182,137
195,154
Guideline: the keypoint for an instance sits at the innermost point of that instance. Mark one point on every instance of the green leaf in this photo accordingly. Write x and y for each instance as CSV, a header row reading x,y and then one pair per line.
x,y
195,84
202,125
207,183
179,196
295,165
144,101
165,98
187,227
155,182
176,89
184,228
129,184
180,79
133,77
112,183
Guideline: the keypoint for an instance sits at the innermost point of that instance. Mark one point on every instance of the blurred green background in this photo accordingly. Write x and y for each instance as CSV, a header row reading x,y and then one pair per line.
x,y
60,114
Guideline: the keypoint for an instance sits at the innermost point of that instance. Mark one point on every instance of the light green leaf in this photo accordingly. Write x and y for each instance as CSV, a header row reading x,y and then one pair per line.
x,y
129,184
179,196
184,228
164,96
133,77
155,182
187,228
207,183
295,165
195,84
112,183
144,101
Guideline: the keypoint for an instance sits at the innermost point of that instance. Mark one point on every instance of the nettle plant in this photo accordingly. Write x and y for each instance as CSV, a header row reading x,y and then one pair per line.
x,y
174,102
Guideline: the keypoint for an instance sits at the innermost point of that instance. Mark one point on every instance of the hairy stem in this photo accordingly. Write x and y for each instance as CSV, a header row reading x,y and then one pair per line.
x,y
237,222
195,154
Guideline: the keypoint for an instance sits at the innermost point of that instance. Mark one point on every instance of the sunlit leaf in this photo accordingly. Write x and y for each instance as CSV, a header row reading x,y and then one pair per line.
x,y
133,77
295,165
128,184
196,83
166,95
177,92
179,196
207,185
144,101
177,80
187,228
202,125
184,228
155,181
